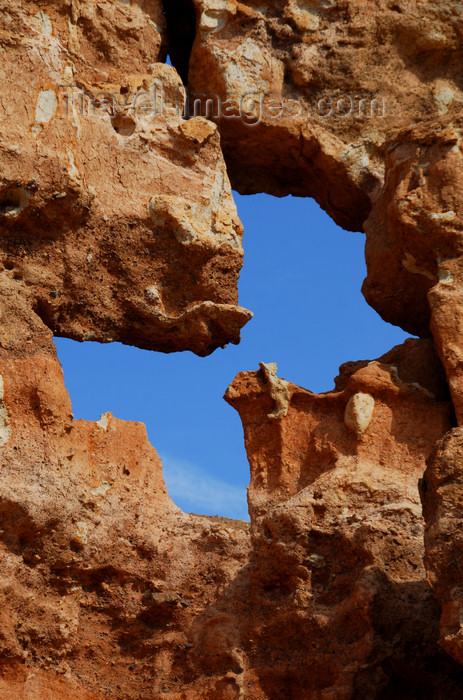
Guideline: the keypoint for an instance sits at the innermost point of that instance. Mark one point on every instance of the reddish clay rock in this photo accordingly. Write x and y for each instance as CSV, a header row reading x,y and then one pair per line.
x,y
411,412
102,575
349,72
371,117
21,683
117,223
442,494
109,590
337,531
415,226
415,233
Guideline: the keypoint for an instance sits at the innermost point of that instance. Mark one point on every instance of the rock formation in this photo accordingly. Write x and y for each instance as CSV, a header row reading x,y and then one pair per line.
x,y
118,223
111,591
105,204
441,491
414,231
343,608
324,84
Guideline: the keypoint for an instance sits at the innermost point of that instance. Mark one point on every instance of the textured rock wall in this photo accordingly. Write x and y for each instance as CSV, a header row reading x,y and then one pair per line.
x,y
111,591
325,62
105,208
117,223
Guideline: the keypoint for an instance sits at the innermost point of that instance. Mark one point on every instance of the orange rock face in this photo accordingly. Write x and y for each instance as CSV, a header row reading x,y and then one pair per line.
x,y
322,84
337,528
118,223
110,590
106,200
441,491
414,231
103,576
286,455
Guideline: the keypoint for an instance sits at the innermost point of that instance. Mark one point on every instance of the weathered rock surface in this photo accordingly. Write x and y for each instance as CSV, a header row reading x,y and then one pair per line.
x,y
117,223
102,575
400,165
442,494
337,530
357,104
414,229
415,233
350,73
406,390
322,92
109,590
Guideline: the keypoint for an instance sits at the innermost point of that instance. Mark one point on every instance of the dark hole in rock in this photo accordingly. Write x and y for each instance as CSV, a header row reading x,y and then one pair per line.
x,y
13,201
123,125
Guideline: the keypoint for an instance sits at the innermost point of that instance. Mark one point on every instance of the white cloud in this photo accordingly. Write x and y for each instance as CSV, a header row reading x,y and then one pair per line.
x,y
193,490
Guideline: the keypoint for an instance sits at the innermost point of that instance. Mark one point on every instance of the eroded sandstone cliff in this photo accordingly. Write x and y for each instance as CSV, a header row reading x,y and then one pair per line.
x,y
118,223
344,75
110,590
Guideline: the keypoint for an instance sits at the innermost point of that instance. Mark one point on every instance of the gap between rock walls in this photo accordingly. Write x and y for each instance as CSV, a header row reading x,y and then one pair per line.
x,y
186,31
179,396
181,30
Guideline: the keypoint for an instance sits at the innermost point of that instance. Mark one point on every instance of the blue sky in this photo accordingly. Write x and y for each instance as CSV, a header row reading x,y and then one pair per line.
x,y
302,276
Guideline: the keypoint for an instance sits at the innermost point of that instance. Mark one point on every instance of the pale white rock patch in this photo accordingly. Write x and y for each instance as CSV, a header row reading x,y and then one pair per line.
x,y
5,427
359,413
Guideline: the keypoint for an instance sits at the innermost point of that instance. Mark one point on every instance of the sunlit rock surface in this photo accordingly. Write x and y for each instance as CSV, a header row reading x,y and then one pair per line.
x,y
323,84
117,223
117,217
110,590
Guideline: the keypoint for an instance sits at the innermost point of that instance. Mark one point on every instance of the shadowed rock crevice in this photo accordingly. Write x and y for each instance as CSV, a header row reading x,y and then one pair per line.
x,y
181,32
